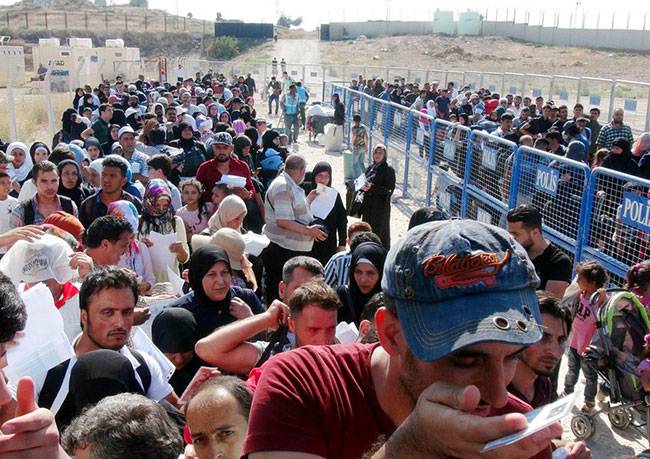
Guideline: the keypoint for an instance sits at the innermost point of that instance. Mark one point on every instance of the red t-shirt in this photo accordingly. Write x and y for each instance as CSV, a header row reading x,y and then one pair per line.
x,y
321,400
208,174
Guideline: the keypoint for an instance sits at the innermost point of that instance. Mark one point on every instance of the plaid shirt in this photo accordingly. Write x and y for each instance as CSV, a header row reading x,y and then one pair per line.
x,y
285,200
610,133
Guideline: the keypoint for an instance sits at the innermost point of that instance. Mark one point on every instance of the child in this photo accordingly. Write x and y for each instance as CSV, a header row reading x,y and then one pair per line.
x,y
359,147
160,167
591,278
219,192
644,367
195,214
7,204
638,282
599,158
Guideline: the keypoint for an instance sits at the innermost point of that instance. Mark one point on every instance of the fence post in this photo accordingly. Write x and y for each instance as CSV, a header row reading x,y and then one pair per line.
x,y
106,20
551,87
407,151
126,22
647,114
612,95
46,28
503,84
514,179
523,86
27,20
86,20
432,151
481,79
7,20
579,90
468,172
463,83
65,20
146,22
50,107
11,109
165,19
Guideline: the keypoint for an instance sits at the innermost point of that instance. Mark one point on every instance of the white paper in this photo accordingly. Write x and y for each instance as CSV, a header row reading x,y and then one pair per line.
x,y
161,256
347,333
255,243
360,182
176,281
43,344
233,180
156,306
141,342
324,202
537,419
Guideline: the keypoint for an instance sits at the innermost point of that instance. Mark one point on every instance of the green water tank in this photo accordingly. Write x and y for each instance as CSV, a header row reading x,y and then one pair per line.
x,y
443,22
469,23
347,166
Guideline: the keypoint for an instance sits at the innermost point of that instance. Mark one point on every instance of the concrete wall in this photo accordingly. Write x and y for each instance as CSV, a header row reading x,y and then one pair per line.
x,y
343,30
634,40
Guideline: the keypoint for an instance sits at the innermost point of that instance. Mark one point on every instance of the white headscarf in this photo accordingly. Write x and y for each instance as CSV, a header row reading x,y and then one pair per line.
x,y
20,174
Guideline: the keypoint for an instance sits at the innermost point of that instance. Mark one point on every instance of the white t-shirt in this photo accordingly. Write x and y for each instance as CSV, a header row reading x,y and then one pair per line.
x,y
6,207
158,389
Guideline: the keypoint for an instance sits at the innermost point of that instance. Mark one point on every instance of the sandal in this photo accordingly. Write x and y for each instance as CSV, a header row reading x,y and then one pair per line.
x,y
588,407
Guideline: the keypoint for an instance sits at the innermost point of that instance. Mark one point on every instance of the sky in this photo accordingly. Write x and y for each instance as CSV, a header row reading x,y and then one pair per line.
x,y
317,12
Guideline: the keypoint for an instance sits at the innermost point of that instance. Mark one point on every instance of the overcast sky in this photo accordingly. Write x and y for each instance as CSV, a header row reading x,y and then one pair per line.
x,y
317,12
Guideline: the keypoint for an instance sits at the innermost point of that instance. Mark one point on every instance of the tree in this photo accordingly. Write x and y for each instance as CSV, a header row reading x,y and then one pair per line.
x,y
224,48
139,3
286,21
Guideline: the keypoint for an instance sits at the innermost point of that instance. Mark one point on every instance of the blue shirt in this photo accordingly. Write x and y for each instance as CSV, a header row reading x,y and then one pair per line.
x,y
303,95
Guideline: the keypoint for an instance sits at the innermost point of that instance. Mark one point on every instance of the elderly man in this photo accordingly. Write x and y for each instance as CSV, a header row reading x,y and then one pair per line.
x,y
288,222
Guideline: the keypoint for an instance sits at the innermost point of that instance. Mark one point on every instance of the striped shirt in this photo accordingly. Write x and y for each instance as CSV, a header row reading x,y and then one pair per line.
x,y
337,269
285,200
609,133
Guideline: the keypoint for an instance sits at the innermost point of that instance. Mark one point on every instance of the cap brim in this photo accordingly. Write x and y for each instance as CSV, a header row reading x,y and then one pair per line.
x,y
434,330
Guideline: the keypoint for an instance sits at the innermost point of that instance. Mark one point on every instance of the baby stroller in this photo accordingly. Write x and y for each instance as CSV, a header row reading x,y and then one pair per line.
x,y
621,325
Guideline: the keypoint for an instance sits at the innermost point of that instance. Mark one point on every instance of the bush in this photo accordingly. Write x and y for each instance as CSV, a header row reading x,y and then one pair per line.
x,y
224,48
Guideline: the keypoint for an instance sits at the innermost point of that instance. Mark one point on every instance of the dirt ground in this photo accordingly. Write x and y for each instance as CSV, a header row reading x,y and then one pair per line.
x,y
487,54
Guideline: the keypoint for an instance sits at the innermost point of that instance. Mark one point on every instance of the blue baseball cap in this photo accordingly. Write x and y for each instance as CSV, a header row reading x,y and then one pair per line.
x,y
461,282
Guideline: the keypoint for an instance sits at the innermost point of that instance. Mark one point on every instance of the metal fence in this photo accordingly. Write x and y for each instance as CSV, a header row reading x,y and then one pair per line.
x,y
600,214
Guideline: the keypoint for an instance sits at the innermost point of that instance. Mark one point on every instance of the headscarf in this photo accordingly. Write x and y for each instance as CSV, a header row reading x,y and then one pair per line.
x,y
202,261
93,142
268,138
227,115
99,374
79,153
38,146
97,165
175,330
577,151
68,223
622,162
230,208
152,219
322,166
66,121
20,174
127,211
239,126
253,135
375,254
77,193
377,168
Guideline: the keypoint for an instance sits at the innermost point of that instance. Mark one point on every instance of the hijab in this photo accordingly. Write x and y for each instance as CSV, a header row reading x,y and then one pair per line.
x,y
376,255
239,126
268,138
202,261
622,162
175,330
153,219
321,166
377,168
66,120
38,146
99,374
253,135
577,151
20,174
230,208
125,210
78,193
79,153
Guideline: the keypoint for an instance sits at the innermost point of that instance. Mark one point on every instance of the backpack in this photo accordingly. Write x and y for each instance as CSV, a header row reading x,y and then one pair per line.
x,y
278,340
192,159
55,376
66,205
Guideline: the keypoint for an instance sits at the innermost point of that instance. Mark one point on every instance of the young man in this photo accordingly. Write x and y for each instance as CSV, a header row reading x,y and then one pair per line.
x,y
274,90
7,205
359,147
289,103
613,130
552,265
460,308
100,129
303,98
113,179
107,300
107,239
311,315
137,159
540,125
532,380
337,269
46,201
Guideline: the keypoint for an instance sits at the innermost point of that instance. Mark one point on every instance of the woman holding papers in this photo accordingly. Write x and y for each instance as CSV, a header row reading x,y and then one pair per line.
x,y
327,207
161,231
377,194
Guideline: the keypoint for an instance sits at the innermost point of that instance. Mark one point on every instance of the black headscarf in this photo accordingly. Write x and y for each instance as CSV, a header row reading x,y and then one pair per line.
x,y
36,145
268,138
427,214
201,261
321,166
79,192
175,330
239,143
252,134
119,117
376,254
100,374
622,162
66,120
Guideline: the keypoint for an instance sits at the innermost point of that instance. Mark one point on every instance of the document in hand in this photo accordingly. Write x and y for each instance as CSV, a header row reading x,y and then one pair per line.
x,y
360,182
43,343
161,256
233,180
141,342
323,204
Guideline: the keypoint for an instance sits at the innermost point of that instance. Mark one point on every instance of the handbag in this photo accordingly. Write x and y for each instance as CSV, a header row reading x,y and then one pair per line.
x,y
357,205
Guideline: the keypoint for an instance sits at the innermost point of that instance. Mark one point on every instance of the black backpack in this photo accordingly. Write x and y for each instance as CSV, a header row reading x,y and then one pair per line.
x,y
66,204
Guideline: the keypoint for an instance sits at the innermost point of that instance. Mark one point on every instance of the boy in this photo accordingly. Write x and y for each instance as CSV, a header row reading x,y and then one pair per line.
x,y
591,278
359,146
7,205
160,167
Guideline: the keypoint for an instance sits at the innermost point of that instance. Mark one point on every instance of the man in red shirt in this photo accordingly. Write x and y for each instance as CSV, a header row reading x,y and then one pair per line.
x,y
460,309
224,163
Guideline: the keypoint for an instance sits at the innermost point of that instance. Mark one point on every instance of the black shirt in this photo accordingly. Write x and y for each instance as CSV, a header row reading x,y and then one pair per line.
x,y
552,264
539,125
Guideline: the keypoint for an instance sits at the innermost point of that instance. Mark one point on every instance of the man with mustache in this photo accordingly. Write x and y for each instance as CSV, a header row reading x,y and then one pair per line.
x,y
532,380
107,300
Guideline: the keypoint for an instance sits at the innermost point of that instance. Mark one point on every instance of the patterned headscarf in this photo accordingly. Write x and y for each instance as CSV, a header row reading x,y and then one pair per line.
x,y
125,210
152,218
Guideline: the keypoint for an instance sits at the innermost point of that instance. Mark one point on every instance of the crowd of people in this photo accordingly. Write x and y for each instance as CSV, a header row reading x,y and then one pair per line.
x,y
287,328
